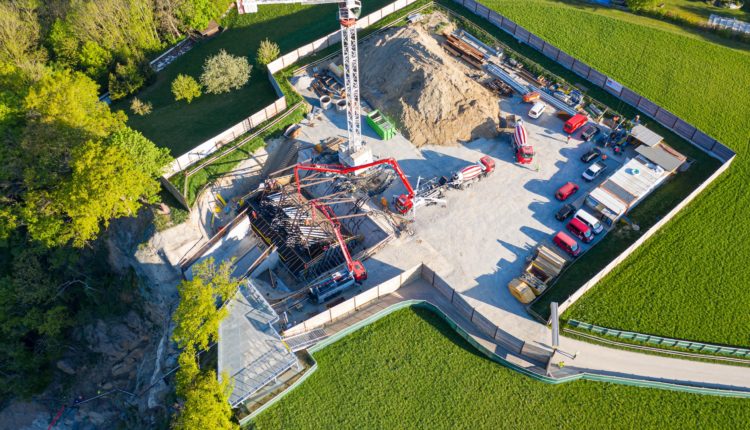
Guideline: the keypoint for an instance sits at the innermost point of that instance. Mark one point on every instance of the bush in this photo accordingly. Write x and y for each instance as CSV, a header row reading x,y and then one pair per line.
x,y
267,52
636,5
224,72
186,88
140,108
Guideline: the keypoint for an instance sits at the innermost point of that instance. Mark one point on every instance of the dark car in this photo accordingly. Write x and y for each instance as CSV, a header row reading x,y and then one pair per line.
x,y
565,212
591,155
590,132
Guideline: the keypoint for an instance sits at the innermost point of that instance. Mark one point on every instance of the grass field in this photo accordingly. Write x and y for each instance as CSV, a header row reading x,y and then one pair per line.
x,y
410,370
180,126
689,281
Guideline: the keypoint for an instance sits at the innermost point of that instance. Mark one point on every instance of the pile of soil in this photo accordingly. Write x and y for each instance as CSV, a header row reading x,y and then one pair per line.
x,y
405,73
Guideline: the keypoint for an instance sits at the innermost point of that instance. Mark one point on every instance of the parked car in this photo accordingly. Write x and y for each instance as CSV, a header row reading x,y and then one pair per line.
x,y
594,170
564,212
566,191
580,230
590,221
537,110
590,132
591,155
567,244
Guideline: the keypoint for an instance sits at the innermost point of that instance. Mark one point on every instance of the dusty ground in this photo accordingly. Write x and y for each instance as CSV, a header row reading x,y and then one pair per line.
x,y
407,74
481,240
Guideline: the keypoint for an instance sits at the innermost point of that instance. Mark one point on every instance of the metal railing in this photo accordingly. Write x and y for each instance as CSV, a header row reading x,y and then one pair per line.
x,y
662,341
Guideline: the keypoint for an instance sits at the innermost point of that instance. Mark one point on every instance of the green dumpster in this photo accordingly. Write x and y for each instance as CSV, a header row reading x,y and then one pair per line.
x,y
382,126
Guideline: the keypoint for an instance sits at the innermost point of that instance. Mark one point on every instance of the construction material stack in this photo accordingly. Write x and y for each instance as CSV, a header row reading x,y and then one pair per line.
x,y
463,50
326,85
499,87
541,270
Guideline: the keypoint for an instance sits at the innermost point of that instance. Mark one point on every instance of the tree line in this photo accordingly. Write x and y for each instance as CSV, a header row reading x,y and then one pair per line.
x,y
70,165
110,41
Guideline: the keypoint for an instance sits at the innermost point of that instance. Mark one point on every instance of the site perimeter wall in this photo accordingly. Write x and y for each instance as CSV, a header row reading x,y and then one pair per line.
x,y
664,117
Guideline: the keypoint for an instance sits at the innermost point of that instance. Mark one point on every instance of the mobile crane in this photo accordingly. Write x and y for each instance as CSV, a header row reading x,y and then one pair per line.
x,y
354,152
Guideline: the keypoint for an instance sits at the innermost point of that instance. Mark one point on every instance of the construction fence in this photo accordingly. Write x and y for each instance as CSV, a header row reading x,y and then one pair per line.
x,y
509,341
662,341
662,116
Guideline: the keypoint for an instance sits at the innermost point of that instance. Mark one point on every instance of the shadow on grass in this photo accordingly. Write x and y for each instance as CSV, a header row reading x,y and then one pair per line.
x,y
443,327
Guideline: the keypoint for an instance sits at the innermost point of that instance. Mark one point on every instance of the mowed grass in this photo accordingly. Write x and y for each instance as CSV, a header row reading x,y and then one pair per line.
x,y
180,126
411,370
691,279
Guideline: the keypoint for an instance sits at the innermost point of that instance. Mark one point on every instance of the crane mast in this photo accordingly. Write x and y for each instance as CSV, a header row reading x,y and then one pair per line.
x,y
354,153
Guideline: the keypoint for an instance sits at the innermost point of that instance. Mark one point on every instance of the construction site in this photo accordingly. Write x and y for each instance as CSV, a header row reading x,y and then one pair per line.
x,y
452,169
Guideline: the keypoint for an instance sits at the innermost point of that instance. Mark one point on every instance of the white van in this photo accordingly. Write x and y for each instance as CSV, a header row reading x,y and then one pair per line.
x,y
536,110
590,221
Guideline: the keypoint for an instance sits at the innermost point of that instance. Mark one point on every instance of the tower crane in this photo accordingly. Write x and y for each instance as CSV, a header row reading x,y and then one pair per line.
x,y
354,153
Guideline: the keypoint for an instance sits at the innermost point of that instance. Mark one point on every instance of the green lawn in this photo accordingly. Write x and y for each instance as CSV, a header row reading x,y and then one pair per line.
x,y
411,370
180,126
690,280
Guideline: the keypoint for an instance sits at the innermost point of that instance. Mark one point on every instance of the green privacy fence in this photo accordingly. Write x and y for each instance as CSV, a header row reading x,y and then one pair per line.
x,y
662,341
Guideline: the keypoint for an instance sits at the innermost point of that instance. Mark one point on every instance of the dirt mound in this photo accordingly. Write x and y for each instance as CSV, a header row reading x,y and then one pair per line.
x,y
406,73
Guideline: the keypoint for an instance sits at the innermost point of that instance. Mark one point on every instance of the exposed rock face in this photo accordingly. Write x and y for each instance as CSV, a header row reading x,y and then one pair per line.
x,y
407,74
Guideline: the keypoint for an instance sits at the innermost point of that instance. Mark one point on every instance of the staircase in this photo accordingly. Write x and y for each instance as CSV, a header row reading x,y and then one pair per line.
x,y
302,341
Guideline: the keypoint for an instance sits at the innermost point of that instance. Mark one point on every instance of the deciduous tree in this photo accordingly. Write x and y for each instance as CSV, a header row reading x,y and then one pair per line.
x,y
185,88
267,52
206,404
224,72
140,107
197,316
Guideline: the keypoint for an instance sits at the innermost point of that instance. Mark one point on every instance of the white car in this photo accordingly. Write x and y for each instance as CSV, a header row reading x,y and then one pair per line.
x,y
594,170
536,110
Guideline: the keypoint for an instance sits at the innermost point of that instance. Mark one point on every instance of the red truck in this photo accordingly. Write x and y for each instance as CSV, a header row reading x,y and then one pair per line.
x,y
473,172
524,151
575,122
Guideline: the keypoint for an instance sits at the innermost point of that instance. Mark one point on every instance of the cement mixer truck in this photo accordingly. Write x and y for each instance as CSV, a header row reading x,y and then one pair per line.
x,y
524,151
472,173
